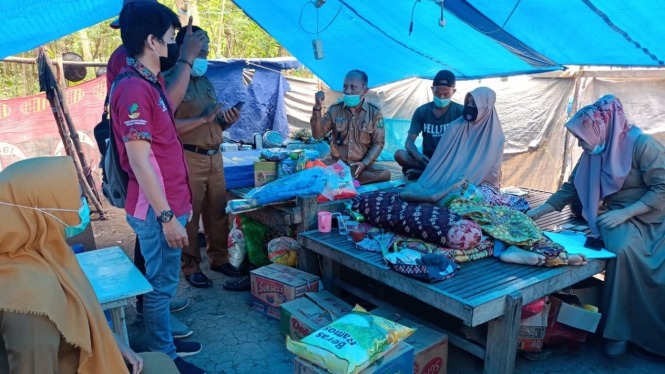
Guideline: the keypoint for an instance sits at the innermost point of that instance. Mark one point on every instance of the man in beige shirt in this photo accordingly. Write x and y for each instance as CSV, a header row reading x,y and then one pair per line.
x,y
358,131
200,122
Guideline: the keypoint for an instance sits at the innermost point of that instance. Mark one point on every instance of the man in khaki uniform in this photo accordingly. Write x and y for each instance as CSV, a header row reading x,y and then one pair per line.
x,y
200,122
358,131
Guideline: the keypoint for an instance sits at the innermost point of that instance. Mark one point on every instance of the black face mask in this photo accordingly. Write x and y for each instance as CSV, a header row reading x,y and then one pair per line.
x,y
470,113
167,63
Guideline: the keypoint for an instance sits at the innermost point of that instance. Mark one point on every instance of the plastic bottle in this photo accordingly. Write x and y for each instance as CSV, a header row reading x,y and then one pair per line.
x,y
258,141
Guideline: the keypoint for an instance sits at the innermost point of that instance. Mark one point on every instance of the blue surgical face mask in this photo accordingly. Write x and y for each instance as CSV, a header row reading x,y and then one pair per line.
x,y
84,214
199,67
441,103
352,100
70,231
597,149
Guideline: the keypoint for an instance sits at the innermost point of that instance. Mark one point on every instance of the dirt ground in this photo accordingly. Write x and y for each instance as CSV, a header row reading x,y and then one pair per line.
x,y
237,340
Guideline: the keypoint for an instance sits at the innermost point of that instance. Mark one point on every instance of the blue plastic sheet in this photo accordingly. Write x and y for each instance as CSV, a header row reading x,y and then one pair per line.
x,y
264,107
307,182
396,134
481,38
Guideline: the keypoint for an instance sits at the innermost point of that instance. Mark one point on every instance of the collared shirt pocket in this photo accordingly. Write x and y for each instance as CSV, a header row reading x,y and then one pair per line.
x,y
189,96
211,94
366,131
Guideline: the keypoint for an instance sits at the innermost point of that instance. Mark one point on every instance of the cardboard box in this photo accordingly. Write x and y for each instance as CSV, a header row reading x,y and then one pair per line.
x,y
398,361
305,315
264,172
430,346
568,322
275,284
578,318
531,335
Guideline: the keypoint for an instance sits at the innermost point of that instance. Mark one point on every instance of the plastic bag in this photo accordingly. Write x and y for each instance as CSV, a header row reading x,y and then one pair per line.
x,y
255,234
351,343
314,181
344,188
464,190
237,248
283,250
274,154
241,206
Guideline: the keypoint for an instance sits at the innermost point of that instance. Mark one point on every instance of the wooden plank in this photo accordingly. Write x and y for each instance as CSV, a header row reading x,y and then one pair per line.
x,y
489,306
445,302
491,279
502,337
453,339
470,275
275,219
505,282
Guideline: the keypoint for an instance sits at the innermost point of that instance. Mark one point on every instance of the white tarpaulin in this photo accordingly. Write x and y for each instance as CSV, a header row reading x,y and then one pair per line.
x,y
532,111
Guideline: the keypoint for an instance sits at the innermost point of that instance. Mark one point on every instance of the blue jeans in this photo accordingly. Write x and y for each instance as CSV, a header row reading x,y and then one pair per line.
x,y
162,265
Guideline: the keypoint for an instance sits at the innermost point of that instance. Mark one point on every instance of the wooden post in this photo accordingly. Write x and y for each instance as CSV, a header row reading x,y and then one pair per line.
x,y
308,207
330,270
308,261
502,338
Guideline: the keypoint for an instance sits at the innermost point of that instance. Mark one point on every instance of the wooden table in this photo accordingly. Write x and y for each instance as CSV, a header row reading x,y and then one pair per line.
x,y
484,291
114,278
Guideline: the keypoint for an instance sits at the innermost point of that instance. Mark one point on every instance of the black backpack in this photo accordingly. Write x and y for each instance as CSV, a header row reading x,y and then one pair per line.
x,y
114,178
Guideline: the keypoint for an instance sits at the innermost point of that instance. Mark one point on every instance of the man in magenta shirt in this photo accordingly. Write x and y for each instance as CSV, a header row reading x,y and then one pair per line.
x,y
158,196
118,60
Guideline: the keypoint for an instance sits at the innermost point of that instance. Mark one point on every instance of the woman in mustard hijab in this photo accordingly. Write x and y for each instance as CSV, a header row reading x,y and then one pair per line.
x,y
50,318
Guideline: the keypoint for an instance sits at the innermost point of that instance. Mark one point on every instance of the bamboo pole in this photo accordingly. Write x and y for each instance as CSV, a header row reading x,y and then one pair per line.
x,y
69,147
32,61
57,103
220,35
73,134
566,139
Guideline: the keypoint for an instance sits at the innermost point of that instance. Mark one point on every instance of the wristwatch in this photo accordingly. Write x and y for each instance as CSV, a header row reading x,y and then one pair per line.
x,y
165,216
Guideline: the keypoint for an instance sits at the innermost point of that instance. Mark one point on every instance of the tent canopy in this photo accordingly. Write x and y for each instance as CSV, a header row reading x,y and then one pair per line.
x,y
481,38
29,24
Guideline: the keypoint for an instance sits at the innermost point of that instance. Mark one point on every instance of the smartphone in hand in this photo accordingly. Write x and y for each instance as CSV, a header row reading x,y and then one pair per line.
x,y
239,105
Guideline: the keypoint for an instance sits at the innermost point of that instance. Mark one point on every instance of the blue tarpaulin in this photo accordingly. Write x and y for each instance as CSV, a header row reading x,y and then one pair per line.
x,y
29,24
264,107
481,38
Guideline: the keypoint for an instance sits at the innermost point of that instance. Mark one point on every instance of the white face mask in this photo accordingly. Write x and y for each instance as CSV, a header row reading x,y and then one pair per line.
x,y
199,67
597,149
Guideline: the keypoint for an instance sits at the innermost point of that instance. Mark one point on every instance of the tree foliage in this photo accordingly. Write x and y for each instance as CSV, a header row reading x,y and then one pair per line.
x,y
232,34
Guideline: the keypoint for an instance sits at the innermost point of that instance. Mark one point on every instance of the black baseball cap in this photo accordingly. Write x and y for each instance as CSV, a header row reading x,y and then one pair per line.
x,y
444,78
116,22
